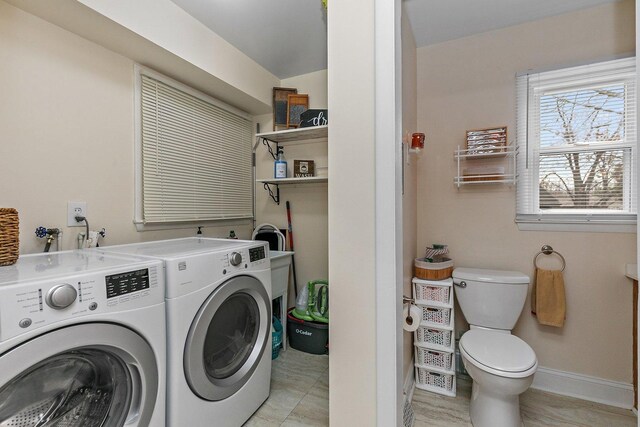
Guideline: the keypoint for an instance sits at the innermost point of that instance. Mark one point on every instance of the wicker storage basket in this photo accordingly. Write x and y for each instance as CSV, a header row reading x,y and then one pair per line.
x,y
9,236
433,270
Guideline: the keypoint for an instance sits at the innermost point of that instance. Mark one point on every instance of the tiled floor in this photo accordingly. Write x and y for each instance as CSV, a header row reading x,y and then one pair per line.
x,y
539,409
299,392
300,397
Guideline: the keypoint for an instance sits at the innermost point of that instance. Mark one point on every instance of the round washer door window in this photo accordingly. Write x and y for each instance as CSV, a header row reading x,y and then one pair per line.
x,y
227,338
87,388
87,375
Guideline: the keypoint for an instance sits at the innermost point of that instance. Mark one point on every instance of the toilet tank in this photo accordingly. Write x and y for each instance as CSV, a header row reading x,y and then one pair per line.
x,y
490,298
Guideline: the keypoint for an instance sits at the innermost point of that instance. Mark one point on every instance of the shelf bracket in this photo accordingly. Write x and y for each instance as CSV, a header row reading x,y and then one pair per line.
x,y
274,196
267,144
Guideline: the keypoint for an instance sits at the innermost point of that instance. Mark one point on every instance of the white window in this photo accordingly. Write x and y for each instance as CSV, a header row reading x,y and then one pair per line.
x,y
193,153
576,136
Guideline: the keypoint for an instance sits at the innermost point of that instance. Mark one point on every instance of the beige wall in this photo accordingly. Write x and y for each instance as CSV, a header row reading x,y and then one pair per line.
x,y
409,126
351,214
187,38
182,47
469,84
314,84
309,201
66,120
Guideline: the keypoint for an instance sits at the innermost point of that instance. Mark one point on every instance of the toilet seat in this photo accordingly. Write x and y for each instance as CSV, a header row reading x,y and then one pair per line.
x,y
498,353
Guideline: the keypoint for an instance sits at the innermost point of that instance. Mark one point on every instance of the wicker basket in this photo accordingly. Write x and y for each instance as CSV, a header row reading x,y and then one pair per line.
x,y
433,270
9,236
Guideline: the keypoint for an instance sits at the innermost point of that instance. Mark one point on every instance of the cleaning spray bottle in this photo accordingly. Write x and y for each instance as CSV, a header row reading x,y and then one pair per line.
x,y
280,165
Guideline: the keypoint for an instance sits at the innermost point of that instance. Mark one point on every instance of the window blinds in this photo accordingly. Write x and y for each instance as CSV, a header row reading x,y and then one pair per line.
x,y
576,132
196,157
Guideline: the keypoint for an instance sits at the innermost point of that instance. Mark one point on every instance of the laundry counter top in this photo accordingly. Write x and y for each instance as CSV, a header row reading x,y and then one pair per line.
x,y
631,271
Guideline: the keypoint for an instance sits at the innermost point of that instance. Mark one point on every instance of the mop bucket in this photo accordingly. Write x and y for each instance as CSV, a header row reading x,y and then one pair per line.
x,y
308,336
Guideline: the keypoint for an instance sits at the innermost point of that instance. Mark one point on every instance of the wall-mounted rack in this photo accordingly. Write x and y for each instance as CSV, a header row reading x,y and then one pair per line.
x,y
269,183
508,177
274,140
298,136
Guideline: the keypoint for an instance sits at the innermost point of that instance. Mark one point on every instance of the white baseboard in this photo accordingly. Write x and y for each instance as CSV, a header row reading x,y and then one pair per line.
x,y
409,382
584,387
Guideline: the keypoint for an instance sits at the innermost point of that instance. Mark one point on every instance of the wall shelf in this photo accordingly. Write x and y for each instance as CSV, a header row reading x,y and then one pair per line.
x,y
509,176
274,193
316,134
289,181
298,136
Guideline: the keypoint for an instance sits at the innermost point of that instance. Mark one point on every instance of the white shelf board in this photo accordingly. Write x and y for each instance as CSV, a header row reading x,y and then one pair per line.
x,y
296,136
469,154
285,181
503,179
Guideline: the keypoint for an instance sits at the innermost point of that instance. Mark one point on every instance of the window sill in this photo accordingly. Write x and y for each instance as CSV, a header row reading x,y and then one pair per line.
x,y
578,226
141,226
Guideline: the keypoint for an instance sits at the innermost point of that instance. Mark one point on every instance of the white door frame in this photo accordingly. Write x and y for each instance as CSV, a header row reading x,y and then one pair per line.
x,y
388,200
638,165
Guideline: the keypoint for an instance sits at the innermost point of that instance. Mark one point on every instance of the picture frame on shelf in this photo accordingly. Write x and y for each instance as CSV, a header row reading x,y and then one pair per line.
x,y
296,105
304,168
280,105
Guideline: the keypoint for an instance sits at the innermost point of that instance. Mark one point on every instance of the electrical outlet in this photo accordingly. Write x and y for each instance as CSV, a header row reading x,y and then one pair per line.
x,y
74,209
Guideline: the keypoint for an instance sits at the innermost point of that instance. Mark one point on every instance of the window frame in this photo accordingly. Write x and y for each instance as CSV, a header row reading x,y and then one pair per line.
x,y
138,220
529,87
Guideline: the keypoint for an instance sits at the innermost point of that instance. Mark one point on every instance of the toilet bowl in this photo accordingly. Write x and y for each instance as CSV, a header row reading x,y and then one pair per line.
x,y
501,367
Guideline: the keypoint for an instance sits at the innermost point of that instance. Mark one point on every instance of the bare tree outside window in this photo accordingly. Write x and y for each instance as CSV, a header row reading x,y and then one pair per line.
x,y
580,165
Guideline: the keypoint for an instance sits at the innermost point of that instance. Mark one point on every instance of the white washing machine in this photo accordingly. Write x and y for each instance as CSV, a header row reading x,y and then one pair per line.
x,y
82,341
218,327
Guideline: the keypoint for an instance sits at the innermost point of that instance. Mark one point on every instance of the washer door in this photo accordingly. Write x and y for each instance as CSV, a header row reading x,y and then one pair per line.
x,y
89,375
227,338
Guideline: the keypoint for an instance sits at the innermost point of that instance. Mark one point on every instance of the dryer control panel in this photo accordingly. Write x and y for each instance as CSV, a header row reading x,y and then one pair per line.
x,y
256,254
33,304
189,273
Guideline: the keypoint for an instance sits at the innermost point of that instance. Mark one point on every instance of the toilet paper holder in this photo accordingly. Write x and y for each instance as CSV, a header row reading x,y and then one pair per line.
x,y
408,300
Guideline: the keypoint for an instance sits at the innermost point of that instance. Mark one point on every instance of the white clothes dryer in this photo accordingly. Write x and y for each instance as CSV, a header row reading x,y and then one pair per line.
x,y
82,341
218,327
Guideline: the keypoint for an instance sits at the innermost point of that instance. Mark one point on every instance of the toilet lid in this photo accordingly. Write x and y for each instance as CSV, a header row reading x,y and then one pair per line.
x,y
498,351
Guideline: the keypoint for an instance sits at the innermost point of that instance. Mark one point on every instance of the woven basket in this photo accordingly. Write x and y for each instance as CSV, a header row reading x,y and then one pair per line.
x,y
433,270
9,236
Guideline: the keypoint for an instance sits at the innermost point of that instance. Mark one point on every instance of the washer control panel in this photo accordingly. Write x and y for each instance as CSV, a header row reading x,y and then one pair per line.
x,y
30,305
127,283
244,259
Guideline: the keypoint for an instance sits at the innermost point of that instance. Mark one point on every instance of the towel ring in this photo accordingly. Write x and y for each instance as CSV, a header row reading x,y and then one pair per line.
x,y
548,250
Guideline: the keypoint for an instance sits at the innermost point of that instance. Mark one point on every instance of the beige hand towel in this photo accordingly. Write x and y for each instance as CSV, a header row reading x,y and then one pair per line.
x,y
548,302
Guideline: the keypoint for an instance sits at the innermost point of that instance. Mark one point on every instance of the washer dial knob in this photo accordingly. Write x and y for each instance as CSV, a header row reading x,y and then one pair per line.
x,y
235,259
61,296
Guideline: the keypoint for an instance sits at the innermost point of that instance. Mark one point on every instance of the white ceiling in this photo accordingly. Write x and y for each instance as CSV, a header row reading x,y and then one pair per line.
x,y
435,21
289,37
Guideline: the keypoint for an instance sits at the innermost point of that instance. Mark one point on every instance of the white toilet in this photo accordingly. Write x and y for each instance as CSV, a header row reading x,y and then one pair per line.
x,y
500,364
